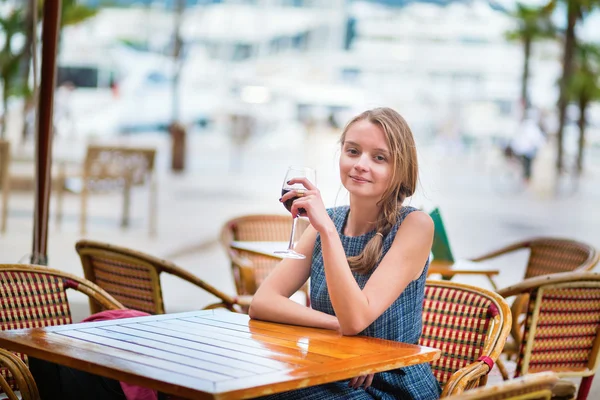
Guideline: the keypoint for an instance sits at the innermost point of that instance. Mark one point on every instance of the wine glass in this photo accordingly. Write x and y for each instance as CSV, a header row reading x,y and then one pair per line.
x,y
295,172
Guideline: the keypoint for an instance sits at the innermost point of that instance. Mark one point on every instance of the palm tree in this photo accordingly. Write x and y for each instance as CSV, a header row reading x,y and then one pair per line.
x,y
584,87
533,23
71,13
576,12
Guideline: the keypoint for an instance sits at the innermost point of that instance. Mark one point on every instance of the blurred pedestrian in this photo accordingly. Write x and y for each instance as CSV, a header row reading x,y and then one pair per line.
x,y
528,140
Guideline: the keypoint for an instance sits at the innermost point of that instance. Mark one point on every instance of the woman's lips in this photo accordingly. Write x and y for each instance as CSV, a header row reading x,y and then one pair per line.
x,y
358,179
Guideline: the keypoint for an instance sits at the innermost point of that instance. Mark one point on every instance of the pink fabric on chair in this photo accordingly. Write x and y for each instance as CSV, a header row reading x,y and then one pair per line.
x,y
115,314
132,392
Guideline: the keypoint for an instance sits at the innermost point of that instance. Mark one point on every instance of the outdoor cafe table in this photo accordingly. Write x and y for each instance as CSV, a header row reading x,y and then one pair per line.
x,y
213,354
443,268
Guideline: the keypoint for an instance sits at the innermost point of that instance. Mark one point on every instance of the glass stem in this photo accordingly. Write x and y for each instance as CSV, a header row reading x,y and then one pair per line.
x,y
291,245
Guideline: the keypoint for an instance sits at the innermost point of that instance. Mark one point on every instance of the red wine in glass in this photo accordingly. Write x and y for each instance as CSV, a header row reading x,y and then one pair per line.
x,y
288,203
292,173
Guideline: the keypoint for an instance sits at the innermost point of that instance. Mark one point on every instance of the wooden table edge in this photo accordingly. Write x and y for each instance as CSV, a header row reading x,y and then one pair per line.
x,y
427,354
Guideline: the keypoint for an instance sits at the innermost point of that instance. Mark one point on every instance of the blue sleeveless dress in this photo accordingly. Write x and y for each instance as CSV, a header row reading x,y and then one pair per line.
x,y
401,322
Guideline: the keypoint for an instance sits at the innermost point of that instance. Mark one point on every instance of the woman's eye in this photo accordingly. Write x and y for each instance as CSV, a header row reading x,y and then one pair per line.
x,y
352,151
380,158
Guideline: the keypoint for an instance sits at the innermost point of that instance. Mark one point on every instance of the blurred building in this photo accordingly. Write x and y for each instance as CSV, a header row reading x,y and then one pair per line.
x,y
442,62
447,67
120,62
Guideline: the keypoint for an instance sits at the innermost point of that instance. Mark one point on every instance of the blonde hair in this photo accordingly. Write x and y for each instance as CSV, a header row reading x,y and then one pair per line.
x,y
403,181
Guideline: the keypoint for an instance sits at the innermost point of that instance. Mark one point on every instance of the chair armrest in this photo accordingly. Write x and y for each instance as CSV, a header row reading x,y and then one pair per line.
x,y
96,293
242,303
468,377
23,378
502,251
244,300
226,301
529,284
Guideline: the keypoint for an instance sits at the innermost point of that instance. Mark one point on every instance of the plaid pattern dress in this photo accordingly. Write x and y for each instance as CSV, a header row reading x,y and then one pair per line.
x,y
401,322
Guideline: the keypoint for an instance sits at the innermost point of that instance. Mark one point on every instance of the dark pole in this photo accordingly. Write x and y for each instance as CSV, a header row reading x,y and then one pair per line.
x,y
43,148
176,129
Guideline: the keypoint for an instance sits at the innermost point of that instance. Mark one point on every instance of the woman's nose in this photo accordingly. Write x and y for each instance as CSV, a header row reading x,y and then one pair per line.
x,y
362,164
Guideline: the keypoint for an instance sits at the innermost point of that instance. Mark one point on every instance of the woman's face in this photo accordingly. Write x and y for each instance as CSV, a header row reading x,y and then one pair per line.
x,y
366,162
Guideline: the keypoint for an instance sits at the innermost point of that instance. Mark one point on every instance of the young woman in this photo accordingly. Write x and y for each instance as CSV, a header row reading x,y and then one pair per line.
x,y
367,262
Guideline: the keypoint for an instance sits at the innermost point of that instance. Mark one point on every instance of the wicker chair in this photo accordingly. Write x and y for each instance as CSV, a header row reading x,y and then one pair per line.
x,y
109,167
529,387
470,326
42,301
550,256
562,329
547,256
250,269
133,277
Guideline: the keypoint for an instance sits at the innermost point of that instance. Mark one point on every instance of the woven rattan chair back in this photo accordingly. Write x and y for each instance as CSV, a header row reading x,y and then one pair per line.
x,y
550,256
470,326
133,277
529,387
118,163
118,167
34,297
562,329
131,280
255,228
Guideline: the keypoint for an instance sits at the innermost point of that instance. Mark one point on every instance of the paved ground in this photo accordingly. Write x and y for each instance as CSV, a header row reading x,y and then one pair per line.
x,y
193,206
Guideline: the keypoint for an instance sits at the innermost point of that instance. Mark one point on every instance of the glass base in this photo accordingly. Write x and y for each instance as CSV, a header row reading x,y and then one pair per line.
x,y
289,254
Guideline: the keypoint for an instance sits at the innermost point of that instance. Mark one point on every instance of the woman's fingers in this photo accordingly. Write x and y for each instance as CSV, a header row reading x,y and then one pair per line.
x,y
362,380
353,381
299,207
295,193
304,181
357,381
369,380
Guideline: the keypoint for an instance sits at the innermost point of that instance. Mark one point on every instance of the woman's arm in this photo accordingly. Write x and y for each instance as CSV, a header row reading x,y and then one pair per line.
x,y
271,301
356,309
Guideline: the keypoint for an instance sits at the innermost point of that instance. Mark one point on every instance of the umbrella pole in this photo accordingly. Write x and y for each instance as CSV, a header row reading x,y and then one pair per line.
x,y
44,131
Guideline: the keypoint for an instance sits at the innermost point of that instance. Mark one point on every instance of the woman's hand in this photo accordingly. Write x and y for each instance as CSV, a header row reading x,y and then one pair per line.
x,y
310,201
363,380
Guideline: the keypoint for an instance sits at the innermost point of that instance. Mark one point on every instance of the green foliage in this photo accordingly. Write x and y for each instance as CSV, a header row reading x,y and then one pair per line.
x,y
13,24
73,13
533,23
585,82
